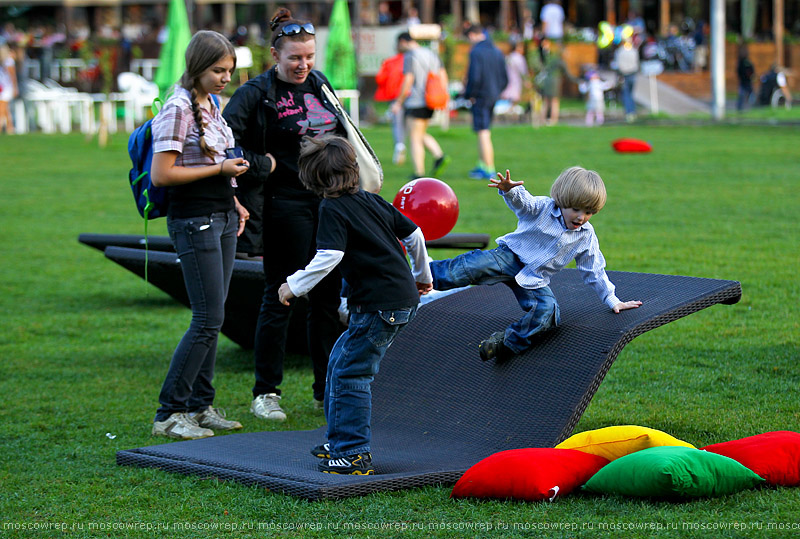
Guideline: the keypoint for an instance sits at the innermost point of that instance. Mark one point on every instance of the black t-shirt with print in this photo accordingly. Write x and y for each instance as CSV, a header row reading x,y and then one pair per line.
x,y
300,113
367,228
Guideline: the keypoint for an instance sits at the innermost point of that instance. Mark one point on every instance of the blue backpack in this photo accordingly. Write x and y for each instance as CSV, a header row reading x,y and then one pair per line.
x,y
151,201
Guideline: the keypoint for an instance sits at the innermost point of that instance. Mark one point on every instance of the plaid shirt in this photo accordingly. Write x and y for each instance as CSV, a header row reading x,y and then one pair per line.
x,y
546,246
174,129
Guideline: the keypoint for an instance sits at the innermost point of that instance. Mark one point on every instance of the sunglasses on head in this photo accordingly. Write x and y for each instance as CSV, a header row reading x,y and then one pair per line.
x,y
293,29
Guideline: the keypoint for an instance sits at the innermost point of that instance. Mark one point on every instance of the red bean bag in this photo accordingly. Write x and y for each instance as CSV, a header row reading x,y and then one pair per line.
x,y
530,474
631,145
775,456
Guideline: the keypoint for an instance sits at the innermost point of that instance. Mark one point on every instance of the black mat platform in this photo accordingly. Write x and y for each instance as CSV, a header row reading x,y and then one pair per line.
x,y
247,282
438,409
163,243
244,295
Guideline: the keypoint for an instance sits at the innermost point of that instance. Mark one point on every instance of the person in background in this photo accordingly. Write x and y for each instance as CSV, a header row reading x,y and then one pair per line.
x,y
385,17
744,74
486,80
389,79
8,88
626,58
552,17
516,72
594,87
550,78
269,115
771,81
417,63
204,217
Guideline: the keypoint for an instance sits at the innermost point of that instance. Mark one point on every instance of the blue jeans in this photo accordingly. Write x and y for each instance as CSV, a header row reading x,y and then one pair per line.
x,y
353,365
398,127
745,96
206,247
627,93
500,265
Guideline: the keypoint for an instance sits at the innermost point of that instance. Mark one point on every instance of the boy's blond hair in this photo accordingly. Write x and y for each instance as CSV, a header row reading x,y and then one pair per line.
x,y
579,188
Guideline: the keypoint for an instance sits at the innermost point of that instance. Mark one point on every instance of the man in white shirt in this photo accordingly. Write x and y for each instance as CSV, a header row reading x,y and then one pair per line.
x,y
552,17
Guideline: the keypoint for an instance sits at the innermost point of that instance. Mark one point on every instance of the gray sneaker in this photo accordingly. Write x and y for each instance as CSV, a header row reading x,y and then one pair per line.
x,y
214,418
180,425
268,406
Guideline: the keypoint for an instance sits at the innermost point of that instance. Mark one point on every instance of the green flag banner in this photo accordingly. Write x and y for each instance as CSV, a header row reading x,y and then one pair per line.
x,y
172,60
340,58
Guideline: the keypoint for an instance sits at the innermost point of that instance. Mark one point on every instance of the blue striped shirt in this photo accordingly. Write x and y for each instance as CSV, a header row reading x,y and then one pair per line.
x,y
544,244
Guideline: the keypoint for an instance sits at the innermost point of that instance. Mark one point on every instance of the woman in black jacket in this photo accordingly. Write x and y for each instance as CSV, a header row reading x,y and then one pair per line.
x,y
269,115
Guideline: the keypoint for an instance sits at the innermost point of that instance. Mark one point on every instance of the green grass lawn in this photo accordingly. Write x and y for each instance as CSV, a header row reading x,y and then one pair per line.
x,y
85,344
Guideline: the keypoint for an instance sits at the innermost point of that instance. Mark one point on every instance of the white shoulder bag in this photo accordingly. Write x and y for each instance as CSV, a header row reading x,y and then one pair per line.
x,y
369,167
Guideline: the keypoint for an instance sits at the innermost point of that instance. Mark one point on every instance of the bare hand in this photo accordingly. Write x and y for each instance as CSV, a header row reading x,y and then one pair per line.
x,y
244,215
504,183
625,305
424,288
234,167
285,294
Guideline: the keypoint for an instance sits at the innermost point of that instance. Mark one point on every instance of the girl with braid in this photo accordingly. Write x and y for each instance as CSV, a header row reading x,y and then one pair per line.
x,y
204,218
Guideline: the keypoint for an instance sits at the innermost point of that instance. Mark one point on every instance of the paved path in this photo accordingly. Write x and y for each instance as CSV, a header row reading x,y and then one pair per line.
x,y
661,97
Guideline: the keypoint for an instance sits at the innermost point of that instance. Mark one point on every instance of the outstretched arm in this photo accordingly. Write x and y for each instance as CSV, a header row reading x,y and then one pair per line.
x,y
302,281
504,183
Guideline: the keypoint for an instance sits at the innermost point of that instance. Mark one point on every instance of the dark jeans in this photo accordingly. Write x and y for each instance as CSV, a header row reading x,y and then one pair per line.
x,y
500,265
354,363
745,96
206,247
289,245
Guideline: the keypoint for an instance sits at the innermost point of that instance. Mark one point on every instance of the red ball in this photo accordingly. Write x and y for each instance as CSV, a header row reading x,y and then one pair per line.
x,y
431,204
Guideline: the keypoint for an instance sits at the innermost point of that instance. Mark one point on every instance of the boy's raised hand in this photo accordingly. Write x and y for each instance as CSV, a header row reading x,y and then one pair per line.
x,y
504,183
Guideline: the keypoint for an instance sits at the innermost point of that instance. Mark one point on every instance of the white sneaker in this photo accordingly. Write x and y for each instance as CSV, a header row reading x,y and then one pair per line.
x,y
214,418
399,156
268,406
180,425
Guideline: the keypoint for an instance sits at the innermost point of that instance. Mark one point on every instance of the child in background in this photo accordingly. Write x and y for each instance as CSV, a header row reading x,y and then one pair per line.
x,y
551,232
357,230
594,87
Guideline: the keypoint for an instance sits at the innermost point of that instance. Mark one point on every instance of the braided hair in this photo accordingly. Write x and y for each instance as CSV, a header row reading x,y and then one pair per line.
x,y
205,49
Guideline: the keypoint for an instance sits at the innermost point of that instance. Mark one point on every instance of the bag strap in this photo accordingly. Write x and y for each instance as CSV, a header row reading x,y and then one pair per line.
x,y
330,96
155,108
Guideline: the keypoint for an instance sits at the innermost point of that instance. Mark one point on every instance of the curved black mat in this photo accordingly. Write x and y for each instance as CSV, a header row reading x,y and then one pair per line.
x,y
163,243
437,409
247,283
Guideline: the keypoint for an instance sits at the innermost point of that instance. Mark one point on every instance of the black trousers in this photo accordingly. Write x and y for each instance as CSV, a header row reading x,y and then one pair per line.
x,y
289,234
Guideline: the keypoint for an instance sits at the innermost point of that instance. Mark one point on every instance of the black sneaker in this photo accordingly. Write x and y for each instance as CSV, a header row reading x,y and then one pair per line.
x,y
493,347
359,464
322,451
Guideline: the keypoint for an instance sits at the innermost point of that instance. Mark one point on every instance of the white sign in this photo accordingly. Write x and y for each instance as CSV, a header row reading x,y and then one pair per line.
x,y
374,45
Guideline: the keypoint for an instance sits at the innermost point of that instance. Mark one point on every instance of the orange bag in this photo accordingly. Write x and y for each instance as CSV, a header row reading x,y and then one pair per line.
x,y
435,93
